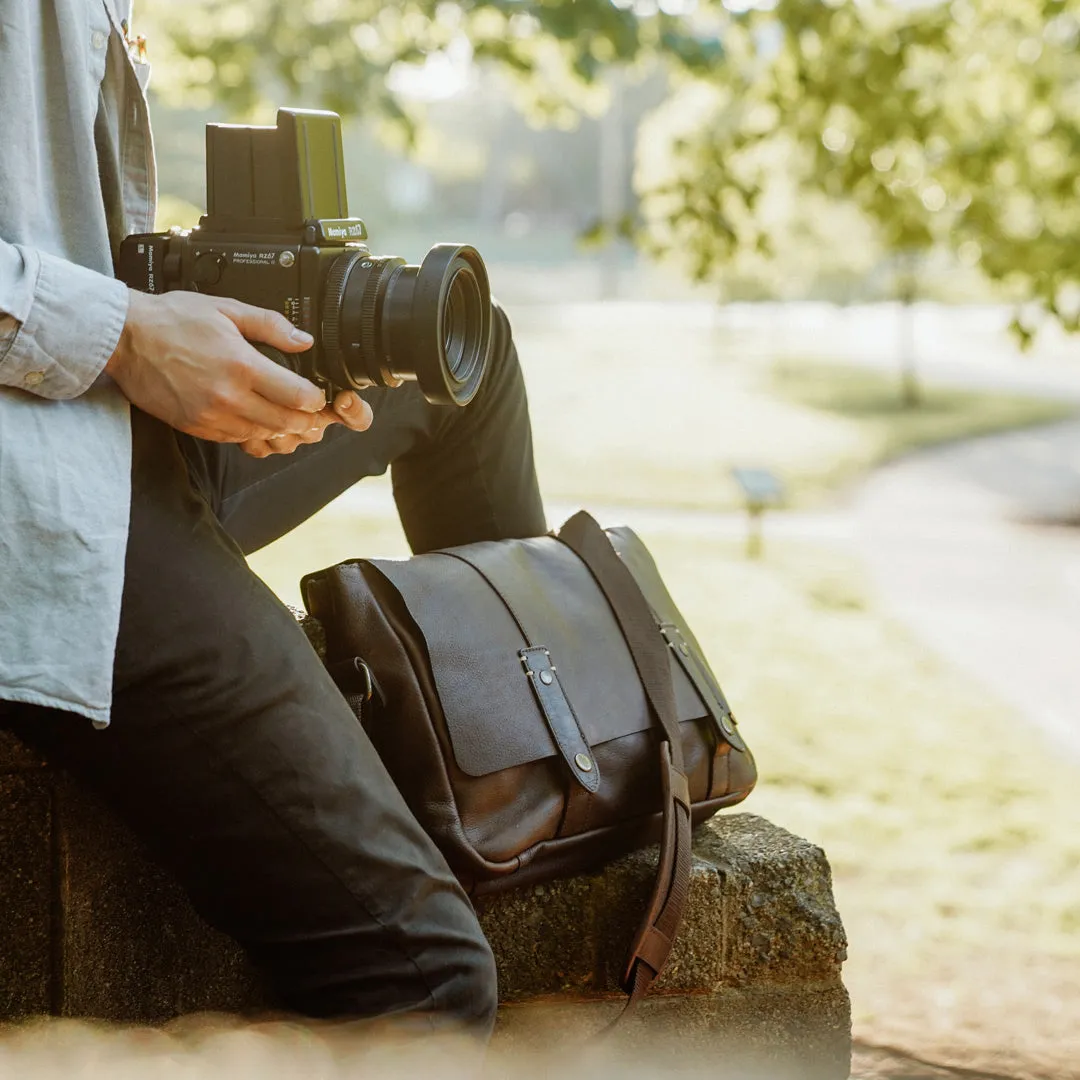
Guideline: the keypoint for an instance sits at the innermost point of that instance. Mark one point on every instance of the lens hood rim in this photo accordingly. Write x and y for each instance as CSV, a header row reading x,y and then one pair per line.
x,y
437,275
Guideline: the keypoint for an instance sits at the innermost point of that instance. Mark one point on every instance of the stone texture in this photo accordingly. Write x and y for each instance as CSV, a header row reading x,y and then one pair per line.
x,y
15,755
783,926
767,1033
314,630
92,927
26,910
760,912
753,981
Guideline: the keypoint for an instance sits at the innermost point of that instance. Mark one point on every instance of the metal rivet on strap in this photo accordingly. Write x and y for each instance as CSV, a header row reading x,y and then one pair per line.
x,y
547,678
684,649
583,762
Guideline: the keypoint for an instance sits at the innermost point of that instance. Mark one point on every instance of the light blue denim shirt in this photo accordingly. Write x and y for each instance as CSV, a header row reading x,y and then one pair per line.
x,y
76,175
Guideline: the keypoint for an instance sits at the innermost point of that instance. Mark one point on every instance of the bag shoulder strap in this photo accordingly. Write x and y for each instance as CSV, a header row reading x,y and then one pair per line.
x,y
652,944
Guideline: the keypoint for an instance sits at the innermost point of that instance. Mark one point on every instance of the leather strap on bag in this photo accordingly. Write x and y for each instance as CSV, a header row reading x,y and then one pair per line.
x,y
652,944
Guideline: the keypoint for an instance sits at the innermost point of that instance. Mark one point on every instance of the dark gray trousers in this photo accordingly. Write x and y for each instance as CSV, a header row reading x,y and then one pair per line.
x,y
233,754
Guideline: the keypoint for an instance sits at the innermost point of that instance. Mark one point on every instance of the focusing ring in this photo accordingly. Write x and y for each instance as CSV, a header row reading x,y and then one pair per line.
x,y
370,302
336,281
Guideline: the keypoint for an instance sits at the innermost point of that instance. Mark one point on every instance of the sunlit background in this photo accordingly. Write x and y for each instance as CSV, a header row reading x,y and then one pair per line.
x,y
832,240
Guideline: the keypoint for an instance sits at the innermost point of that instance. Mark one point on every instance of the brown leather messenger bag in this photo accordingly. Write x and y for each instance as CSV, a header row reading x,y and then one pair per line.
x,y
543,707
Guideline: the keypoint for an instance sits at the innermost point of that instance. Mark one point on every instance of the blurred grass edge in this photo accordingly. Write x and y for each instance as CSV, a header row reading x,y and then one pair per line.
x,y
609,432
872,400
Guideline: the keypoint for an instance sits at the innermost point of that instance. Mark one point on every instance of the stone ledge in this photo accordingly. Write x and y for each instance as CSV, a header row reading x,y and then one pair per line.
x,y
25,894
94,928
15,755
760,913
752,1034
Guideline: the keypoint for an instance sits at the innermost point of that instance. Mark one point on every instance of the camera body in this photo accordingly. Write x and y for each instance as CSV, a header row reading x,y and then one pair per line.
x,y
277,234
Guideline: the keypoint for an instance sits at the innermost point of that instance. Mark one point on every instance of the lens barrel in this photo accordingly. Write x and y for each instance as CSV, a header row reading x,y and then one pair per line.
x,y
385,322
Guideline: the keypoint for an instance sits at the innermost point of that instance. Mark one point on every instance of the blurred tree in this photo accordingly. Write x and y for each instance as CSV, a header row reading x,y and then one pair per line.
x,y
404,63
949,125
339,52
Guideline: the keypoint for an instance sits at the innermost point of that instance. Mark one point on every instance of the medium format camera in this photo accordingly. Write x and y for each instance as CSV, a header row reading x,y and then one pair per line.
x,y
277,234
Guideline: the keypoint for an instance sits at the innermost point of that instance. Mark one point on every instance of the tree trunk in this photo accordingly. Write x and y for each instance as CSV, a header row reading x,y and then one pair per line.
x,y
911,389
908,293
613,171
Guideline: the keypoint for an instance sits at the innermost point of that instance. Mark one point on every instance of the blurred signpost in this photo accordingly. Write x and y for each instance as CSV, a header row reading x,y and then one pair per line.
x,y
761,490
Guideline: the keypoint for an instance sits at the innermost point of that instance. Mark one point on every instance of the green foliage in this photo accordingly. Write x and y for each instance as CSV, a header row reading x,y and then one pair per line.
x,y
337,53
949,125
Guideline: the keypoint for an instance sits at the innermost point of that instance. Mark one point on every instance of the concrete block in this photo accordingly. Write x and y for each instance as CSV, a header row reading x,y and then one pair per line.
x,y
26,911
748,1034
92,927
760,912
754,981
16,755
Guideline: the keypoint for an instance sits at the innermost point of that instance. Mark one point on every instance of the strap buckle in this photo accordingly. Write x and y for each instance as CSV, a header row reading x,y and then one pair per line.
x,y
711,695
561,720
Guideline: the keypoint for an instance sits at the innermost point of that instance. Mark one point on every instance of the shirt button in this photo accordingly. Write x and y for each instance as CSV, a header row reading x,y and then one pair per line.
x,y
98,39
33,378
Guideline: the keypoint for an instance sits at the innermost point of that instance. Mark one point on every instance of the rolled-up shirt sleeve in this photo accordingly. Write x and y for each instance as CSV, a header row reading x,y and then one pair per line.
x,y
59,322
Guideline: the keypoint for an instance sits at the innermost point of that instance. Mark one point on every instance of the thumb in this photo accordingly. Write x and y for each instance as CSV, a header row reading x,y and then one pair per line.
x,y
269,327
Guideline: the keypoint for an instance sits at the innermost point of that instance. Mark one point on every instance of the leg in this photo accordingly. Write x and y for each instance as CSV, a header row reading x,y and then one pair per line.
x,y
459,474
470,475
235,757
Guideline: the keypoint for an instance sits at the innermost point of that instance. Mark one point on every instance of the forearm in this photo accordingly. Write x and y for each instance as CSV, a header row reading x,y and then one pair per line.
x,y
59,322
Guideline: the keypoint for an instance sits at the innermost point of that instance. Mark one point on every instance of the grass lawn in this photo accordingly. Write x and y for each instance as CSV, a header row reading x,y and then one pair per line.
x,y
870,402
950,825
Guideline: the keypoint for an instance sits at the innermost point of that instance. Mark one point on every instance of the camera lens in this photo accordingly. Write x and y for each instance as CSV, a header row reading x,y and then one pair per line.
x,y
451,330
385,322
463,321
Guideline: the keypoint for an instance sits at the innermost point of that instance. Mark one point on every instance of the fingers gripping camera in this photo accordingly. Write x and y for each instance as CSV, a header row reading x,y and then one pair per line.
x,y
277,234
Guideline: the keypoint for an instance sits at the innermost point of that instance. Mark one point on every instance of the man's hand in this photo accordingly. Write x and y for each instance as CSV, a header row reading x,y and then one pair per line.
x,y
183,358
349,409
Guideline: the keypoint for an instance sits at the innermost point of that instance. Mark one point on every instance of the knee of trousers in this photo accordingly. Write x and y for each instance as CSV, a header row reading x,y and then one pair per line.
x,y
503,352
504,381
470,993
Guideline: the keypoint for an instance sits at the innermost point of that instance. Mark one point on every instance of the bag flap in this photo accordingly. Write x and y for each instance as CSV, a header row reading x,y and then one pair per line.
x,y
474,637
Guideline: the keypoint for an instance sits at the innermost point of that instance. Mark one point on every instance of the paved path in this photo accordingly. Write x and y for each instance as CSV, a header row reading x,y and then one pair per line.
x,y
958,542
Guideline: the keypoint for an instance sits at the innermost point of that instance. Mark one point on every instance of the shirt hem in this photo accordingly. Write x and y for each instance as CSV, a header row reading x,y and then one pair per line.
x,y
100,717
